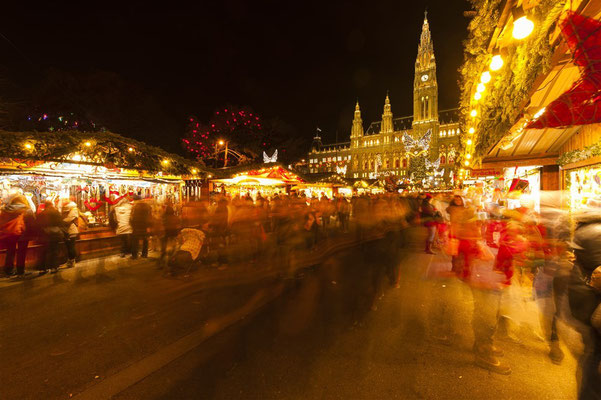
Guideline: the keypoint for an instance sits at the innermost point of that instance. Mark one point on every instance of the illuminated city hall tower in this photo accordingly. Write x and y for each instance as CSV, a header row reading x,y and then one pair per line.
x,y
425,89
379,149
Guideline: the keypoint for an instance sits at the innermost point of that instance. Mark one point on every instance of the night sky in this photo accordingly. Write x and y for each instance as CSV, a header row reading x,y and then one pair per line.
x,y
304,62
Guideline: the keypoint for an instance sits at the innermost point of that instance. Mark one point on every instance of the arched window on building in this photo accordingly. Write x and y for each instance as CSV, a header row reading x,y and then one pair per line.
x,y
371,165
443,158
404,163
396,163
365,165
387,163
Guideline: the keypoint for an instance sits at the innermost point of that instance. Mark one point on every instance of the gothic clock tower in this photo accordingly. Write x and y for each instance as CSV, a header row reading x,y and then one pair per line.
x,y
425,89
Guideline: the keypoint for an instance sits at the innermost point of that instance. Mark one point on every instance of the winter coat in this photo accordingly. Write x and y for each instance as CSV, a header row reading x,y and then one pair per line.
x,y
428,214
51,225
587,241
70,213
16,208
122,217
141,217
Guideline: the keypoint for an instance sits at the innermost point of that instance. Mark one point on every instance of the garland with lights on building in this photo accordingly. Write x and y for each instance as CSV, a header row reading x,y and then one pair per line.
x,y
102,148
500,105
240,127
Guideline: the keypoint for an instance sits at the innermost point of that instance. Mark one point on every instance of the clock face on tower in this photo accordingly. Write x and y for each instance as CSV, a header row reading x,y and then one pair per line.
x,y
425,77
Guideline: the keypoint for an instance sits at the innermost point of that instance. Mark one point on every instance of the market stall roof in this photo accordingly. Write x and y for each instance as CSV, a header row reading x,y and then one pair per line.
x,y
30,150
334,179
523,146
245,180
265,173
541,143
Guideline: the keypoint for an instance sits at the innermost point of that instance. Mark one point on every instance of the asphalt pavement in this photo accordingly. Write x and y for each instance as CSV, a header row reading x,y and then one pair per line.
x,y
344,331
340,329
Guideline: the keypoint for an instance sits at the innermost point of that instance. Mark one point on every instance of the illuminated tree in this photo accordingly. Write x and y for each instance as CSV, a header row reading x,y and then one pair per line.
x,y
238,129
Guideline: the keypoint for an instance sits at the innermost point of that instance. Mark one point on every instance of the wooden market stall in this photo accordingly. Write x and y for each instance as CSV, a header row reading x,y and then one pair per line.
x,y
93,169
263,179
523,119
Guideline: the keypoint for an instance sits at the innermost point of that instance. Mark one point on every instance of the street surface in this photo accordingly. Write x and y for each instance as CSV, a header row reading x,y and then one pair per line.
x,y
337,330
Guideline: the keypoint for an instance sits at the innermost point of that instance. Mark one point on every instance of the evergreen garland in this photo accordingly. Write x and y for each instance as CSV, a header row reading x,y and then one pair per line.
x,y
524,62
99,148
573,156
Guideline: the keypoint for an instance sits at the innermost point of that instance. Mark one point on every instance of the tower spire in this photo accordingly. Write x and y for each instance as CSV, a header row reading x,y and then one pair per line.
x,y
386,125
357,129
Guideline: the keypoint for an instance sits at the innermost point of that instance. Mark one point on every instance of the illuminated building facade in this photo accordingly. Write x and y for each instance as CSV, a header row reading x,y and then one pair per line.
x,y
380,150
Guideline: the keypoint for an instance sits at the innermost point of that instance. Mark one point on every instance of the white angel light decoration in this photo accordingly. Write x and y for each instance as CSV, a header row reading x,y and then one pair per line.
x,y
272,159
341,170
435,164
417,147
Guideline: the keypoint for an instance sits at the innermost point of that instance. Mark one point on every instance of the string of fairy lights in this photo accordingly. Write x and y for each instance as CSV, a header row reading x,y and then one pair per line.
x,y
522,28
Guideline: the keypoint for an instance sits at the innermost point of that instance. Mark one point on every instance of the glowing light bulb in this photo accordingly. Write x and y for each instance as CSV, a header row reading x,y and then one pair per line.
x,y
194,171
88,144
28,146
221,142
468,156
473,113
477,96
469,142
165,162
471,130
480,88
522,28
130,149
485,77
466,163
496,62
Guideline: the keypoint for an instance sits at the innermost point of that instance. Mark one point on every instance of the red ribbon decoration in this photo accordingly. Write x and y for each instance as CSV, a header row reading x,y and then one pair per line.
x,y
96,204
581,104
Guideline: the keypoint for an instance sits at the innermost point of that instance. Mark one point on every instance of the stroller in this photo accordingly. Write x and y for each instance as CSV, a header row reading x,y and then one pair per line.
x,y
189,244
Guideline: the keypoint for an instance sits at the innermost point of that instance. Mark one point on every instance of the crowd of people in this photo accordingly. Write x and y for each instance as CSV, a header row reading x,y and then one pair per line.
x,y
553,255
225,228
503,252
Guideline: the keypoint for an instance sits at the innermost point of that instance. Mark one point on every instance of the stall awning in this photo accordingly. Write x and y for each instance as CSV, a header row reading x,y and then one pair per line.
x,y
246,180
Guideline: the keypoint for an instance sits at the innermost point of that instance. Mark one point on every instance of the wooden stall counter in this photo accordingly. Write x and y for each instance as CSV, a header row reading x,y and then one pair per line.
x,y
92,243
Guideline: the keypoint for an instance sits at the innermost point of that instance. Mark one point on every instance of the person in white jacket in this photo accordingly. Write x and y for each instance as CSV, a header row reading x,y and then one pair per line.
x,y
70,215
123,228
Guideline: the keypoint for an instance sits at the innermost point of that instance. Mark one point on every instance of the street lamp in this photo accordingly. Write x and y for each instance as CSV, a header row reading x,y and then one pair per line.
x,y
222,142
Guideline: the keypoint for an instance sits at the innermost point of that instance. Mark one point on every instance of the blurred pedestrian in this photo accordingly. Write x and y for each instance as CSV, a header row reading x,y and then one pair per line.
x,y
123,229
171,227
16,227
70,216
428,215
140,221
584,300
51,228
343,208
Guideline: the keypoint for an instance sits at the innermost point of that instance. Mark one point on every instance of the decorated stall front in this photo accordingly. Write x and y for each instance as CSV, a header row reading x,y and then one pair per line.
x,y
530,97
254,180
330,186
95,170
